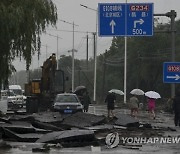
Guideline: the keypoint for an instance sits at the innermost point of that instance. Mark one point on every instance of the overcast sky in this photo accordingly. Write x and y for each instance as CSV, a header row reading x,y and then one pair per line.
x,y
85,19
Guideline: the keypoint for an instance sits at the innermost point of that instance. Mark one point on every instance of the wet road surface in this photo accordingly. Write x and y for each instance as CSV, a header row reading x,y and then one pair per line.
x,y
163,120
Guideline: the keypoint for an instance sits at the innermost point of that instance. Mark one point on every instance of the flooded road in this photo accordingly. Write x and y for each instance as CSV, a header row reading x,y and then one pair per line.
x,y
164,121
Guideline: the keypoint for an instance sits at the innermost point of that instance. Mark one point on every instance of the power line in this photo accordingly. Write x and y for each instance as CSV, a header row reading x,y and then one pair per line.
x,y
56,36
70,31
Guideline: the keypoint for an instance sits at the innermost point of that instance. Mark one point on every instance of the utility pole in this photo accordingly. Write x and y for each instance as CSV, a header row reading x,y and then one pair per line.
x,y
95,49
87,52
95,63
172,15
73,61
46,51
72,52
79,76
57,52
104,76
57,37
46,46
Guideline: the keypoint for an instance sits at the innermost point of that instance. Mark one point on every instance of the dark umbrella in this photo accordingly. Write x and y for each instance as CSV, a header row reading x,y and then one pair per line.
x,y
79,90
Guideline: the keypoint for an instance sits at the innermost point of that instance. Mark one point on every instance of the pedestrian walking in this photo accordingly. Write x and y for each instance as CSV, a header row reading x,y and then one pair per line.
x,y
86,101
134,105
151,107
176,109
110,100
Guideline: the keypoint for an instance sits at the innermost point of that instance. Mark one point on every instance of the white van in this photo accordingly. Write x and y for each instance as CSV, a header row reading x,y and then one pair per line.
x,y
19,94
3,101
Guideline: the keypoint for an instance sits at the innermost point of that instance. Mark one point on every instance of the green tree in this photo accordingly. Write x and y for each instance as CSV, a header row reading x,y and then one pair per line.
x,y
145,57
21,24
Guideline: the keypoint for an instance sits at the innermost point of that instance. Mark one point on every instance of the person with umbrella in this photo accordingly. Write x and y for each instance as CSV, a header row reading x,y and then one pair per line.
x,y
151,107
110,100
176,108
86,101
134,103
152,96
79,91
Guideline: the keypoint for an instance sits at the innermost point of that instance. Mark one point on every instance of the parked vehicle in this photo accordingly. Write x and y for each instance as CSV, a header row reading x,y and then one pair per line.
x,y
11,97
18,94
67,103
3,102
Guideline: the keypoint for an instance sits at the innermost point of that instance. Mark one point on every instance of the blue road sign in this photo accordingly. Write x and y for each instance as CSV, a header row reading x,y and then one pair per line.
x,y
111,19
140,19
171,72
125,19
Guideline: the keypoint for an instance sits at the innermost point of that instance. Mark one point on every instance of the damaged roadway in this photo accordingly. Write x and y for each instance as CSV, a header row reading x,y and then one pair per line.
x,y
50,130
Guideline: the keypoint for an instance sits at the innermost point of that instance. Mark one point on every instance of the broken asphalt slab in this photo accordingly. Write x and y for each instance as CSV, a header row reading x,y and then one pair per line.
x,y
46,126
69,138
48,117
81,120
30,137
126,120
22,127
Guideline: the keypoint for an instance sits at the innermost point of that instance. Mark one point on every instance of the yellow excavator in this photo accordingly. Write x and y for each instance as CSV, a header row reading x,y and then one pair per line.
x,y
41,92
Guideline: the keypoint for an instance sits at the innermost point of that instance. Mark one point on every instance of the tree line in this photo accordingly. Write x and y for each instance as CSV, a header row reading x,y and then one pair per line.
x,y
145,58
22,22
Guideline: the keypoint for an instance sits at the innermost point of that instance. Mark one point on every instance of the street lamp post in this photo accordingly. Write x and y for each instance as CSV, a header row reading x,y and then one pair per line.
x,y
73,50
95,50
172,15
73,61
57,37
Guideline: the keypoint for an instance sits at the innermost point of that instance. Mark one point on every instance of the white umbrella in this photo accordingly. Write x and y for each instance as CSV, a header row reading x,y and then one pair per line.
x,y
152,94
116,91
137,92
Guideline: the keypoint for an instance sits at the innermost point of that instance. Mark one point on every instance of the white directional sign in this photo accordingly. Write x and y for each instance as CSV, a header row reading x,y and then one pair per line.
x,y
111,19
171,72
125,19
140,19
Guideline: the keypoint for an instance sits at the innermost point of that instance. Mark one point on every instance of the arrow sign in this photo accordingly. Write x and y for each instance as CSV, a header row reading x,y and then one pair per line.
x,y
176,77
125,19
112,24
140,21
171,72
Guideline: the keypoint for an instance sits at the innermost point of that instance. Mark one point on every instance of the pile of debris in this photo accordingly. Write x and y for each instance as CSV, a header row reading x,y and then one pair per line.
x,y
79,129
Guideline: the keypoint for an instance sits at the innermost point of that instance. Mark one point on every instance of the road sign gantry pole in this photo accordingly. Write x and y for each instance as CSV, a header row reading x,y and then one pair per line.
x,y
172,15
125,19
125,57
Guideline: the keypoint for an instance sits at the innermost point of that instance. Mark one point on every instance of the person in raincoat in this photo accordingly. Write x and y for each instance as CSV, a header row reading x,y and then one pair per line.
x,y
134,104
110,100
86,101
176,109
151,107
